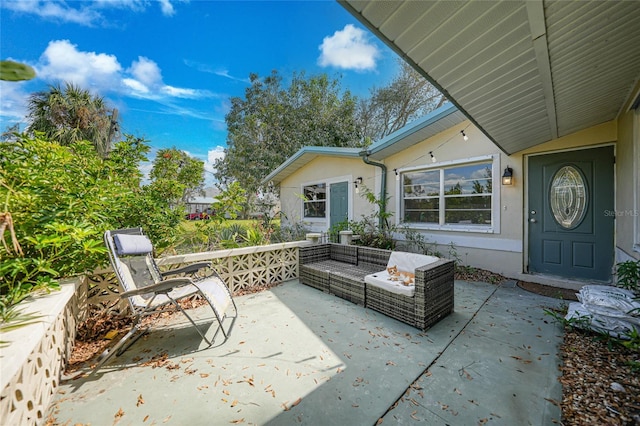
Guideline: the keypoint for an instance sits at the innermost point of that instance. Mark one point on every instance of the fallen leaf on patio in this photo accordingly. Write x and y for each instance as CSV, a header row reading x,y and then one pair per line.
x,y
296,402
456,390
391,363
483,421
202,387
379,422
119,415
241,343
234,403
140,401
184,361
495,415
226,392
355,405
474,402
145,418
237,421
166,419
204,375
413,416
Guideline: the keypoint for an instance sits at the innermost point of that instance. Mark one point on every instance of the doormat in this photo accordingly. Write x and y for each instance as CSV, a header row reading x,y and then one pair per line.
x,y
549,291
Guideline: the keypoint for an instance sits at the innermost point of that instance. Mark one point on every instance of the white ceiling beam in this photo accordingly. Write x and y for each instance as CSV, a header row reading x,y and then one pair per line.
x,y
537,24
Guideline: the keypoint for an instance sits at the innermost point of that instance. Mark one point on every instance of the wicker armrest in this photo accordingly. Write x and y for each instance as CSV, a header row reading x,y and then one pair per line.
x,y
315,253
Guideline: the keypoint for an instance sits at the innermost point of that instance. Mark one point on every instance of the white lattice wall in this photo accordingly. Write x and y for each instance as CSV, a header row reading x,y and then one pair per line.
x,y
241,269
33,356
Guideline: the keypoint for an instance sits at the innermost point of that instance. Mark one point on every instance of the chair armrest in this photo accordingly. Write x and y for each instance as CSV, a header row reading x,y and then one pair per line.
x,y
188,269
161,287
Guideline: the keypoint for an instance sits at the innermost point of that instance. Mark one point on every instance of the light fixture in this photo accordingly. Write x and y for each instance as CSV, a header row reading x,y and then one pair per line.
x,y
464,136
507,176
357,183
397,174
433,157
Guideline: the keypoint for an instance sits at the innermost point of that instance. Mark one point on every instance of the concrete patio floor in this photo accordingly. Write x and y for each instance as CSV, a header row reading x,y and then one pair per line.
x,y
299,356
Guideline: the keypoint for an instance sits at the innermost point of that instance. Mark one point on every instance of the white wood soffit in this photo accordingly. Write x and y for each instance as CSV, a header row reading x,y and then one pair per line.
x,y
524,72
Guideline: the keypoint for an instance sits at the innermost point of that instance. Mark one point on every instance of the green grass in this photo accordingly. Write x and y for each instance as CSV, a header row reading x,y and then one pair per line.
x,y
189,225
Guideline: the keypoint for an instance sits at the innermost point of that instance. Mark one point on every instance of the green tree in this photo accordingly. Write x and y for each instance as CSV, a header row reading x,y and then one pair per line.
x,y
176,176
58,200
389,108
71,114
272,122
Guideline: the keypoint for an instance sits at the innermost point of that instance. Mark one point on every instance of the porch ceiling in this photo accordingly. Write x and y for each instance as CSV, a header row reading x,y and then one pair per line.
x,y
523,72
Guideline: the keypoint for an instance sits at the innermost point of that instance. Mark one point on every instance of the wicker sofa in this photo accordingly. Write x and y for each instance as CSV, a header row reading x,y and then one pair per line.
x,y
341,270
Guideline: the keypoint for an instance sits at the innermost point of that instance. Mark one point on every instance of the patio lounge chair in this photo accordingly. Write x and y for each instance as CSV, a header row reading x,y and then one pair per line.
x,y
150,292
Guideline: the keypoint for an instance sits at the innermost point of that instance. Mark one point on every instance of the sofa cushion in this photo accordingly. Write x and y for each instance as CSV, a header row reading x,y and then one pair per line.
x,y
408,262
405,262
381,280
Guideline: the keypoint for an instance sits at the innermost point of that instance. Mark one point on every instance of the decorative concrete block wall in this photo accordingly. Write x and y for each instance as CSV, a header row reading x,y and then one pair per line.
x,y
33,357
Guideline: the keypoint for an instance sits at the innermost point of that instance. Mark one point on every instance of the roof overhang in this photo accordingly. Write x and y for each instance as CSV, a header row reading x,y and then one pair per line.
x,y
304,156
524,72
417,131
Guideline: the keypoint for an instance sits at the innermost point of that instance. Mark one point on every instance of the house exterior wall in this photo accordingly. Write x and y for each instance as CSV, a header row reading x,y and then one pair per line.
x,y
498,249
503,249
324,169
627,211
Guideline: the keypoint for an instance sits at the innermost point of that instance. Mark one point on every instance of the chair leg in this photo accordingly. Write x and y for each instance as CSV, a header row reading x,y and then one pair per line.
x,y
178,307
120,347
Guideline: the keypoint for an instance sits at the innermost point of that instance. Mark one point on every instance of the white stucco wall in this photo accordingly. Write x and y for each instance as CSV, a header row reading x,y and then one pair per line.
x,y
325,169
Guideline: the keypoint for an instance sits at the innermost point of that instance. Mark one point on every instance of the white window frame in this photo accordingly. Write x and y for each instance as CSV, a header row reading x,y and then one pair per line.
x,y
635,146
494,228
305,201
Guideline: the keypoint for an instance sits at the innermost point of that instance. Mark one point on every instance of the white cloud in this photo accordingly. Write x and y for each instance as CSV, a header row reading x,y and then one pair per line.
x,y
214,154
167,8
13,102
55,10
87,13
146,72
62,60
135,85
348,49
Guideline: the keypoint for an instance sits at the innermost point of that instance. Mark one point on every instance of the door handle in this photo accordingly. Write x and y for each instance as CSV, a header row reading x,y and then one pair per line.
x,y
532,220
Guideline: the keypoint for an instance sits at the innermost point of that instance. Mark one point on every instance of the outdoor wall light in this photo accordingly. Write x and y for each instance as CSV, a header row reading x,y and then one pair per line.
x,y
507,176
357,183
464,136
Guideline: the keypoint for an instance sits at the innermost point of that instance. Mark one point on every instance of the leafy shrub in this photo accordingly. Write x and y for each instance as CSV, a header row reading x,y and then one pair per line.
x,y
629,275
61,200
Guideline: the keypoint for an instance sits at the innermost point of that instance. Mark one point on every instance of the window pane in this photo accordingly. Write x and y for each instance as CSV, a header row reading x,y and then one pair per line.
x,y
315,192
474,210
421,210
314,209
473,179
421,184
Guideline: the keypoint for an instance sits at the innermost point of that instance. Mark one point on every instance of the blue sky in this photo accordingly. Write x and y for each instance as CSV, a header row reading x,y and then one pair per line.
x,y
171,66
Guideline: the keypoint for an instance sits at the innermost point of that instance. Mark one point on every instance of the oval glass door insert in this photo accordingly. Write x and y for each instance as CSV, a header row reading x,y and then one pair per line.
x,y
568,197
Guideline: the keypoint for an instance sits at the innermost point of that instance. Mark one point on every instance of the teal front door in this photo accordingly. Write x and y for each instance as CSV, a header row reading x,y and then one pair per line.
x,y
571,214
338,203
